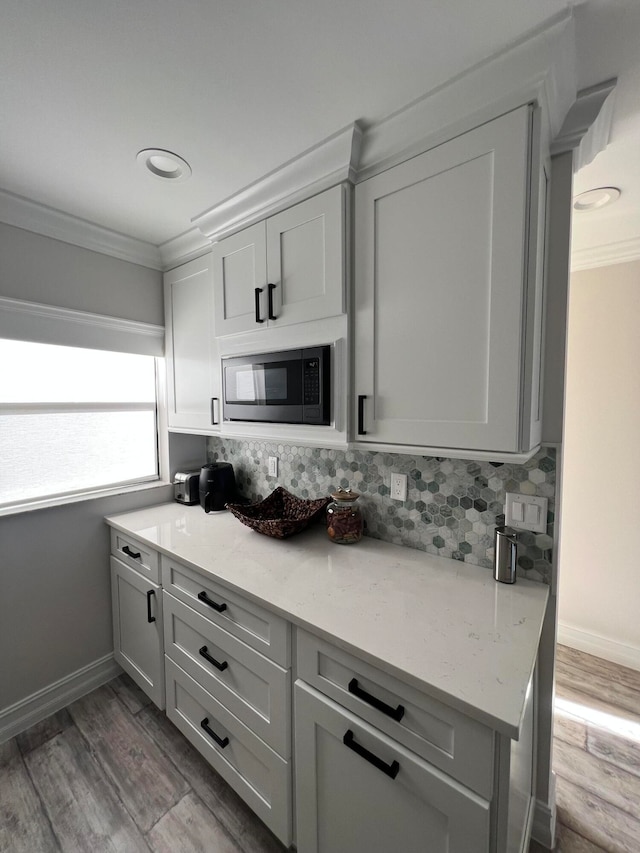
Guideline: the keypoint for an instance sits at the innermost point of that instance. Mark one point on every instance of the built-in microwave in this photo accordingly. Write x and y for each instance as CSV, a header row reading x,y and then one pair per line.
x,y
288,387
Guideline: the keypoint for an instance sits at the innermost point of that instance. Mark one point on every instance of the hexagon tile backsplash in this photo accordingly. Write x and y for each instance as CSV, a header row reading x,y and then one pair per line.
x,y
452,506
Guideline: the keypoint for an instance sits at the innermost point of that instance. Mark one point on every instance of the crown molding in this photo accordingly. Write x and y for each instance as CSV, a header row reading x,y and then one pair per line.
x,y
49,222
621,252
324,165
587,127
185,247
540,68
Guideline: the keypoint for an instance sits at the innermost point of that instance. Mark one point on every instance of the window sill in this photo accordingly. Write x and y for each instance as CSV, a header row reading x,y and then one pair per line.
x,y
63,500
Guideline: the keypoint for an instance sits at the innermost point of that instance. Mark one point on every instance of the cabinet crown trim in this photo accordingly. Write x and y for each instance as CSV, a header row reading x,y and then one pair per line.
x,y
326,164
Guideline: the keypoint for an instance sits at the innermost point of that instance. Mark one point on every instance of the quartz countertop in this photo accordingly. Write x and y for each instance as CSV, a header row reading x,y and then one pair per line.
x,y
441,625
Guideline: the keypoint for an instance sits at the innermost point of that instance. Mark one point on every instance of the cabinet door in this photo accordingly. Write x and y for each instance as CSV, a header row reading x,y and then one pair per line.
x,y
193,370
240,278
137,629
347,804
305,260
440,266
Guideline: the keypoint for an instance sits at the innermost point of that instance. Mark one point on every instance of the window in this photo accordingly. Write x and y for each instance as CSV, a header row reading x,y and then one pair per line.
x,y
74,420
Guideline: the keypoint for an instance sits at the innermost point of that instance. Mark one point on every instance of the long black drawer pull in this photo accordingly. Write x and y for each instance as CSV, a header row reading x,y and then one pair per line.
x,y
257,291
150,618
271,288
205,654
361,399
136,555
221,741
390,769
202,596
395,713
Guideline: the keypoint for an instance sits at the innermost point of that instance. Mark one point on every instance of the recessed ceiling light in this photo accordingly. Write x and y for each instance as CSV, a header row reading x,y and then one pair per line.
x,y
164,164
595,199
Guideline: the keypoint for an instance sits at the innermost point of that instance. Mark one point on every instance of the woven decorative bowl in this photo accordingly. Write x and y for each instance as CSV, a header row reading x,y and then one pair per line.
x,y
280,515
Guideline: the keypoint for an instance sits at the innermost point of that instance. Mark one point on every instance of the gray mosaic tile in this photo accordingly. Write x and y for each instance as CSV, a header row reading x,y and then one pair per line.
x,y
452,506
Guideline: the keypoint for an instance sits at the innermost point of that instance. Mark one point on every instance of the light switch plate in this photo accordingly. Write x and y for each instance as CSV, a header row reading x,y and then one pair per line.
x,y
520,508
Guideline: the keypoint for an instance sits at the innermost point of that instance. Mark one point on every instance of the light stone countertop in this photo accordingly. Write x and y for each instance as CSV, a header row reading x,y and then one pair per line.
x,y
440,625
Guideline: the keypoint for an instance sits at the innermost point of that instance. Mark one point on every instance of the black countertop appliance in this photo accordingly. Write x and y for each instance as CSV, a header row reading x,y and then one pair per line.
x,y
217,486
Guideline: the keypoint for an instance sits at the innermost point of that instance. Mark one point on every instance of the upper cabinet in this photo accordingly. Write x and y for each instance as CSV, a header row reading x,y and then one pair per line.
x,y
287,269
448,294
193,366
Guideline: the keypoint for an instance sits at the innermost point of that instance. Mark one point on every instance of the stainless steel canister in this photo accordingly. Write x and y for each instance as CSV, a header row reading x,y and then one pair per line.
x,y
505,554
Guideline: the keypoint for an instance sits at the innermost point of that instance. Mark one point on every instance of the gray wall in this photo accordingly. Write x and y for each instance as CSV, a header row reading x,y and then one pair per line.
x,y
55,595
40,269
55,599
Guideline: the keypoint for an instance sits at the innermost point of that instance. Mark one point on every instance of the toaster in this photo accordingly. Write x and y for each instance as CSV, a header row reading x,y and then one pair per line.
x,y
186,487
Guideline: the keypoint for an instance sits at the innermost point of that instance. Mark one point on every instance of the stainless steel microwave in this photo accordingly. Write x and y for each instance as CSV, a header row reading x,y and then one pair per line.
x,y
288,387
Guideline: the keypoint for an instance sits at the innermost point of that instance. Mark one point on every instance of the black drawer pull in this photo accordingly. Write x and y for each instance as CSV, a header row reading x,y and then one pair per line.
x,y
395,713
150,618
135,554
390,770
205,654
221,741
361,399
202,596
271,288
257,291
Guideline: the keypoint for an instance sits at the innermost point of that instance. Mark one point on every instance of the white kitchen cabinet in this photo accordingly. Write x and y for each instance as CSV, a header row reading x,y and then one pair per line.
x,y
359,791
287,269
193,366
138,646
448,296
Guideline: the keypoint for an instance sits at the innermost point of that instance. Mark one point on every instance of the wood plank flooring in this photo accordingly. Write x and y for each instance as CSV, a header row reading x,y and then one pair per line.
x,y
110,774
596,755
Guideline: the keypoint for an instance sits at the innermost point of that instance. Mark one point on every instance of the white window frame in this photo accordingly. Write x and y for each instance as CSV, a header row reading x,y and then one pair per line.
x,y
37,323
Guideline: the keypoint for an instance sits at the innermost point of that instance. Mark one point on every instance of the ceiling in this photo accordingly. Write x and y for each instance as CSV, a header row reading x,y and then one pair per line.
x,y
239,88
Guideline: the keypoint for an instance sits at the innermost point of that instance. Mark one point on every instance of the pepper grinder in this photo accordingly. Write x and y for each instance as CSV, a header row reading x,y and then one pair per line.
x,y
505,554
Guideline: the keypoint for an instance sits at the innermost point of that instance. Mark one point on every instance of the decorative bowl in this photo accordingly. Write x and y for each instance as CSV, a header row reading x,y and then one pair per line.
x,y
281,514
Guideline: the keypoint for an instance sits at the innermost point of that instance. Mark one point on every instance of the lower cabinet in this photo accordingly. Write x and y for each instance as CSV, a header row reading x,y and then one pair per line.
x,y
359,791
380,765
137,628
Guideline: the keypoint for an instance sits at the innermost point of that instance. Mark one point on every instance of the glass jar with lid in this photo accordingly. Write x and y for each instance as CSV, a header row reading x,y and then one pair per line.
x,y
344,517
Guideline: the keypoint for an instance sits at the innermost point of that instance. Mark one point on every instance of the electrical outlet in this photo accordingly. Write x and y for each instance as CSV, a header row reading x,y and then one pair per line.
x,y
273,466
399,487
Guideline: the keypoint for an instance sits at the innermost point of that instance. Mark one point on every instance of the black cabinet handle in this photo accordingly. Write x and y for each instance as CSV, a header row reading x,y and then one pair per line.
x,y
214,419
202,596
221,741
361,429
378,704
135,554
390,770
271,288
150,618
205,654
257,292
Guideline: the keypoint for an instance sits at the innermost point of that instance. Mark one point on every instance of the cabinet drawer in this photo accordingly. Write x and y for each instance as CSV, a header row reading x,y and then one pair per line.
x,y
358,790
461,747
258,628
251,686
259,775
132,552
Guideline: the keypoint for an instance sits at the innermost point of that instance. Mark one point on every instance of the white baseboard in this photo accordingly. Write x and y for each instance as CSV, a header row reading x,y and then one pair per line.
x,y
601,647
18,717
544,819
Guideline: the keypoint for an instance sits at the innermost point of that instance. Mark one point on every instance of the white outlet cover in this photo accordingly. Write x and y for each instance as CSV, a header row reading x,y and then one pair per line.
x,y
273,466
398,487
540,505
